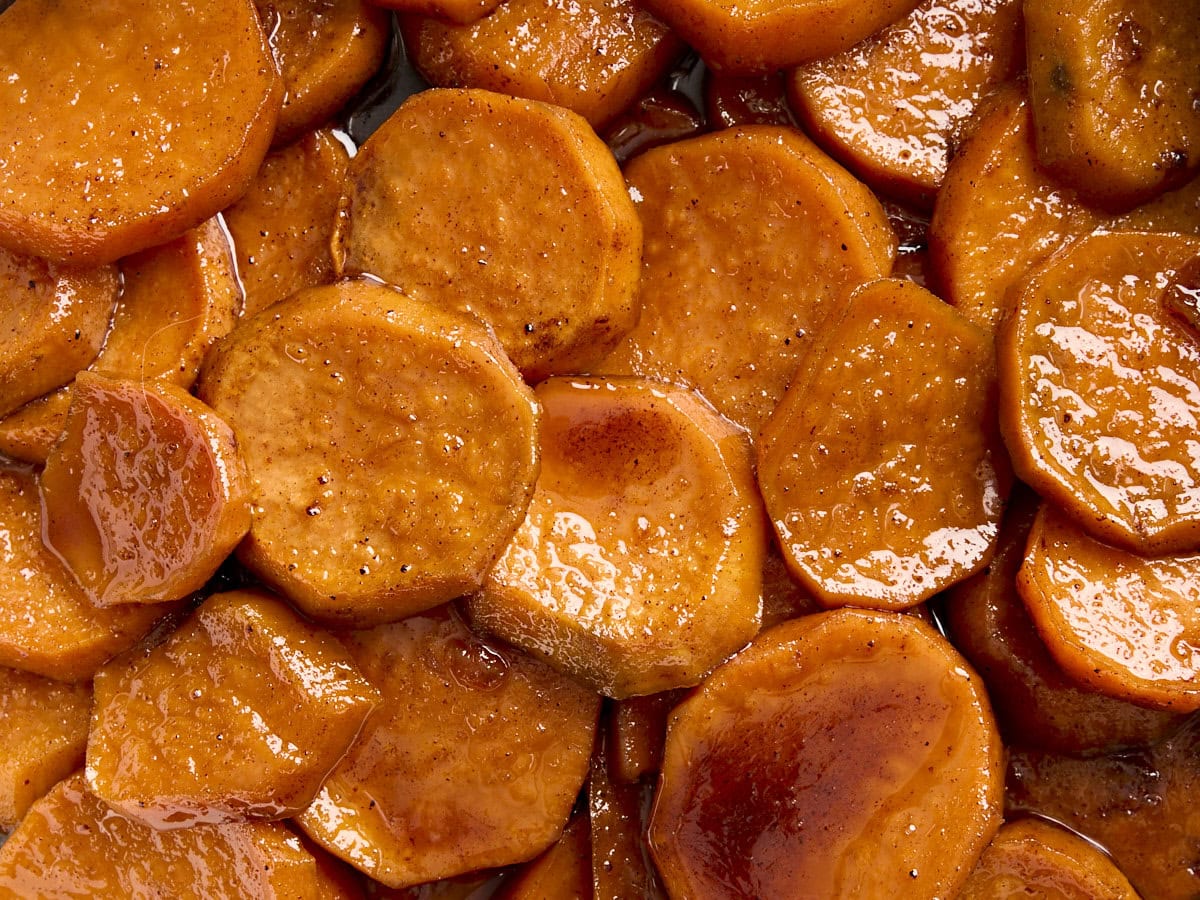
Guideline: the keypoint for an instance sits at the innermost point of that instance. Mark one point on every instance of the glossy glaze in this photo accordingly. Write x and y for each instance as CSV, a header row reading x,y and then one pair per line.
x,y
1177,210
730,100
660,117
871,506
565,870
621,865
852,753
638,566
1100,391
637,728
473,760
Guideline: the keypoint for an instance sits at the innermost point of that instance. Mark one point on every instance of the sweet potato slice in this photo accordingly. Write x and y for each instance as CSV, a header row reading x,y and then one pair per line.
x,y
1034,858
1115,86
47,624
1123,624
240,714
401,455
283,225
726,297
72,845
52,324
563,872
637,728
621,864
1140,806
325,50
1036,703
997,213
849,752
891,106
594,57
1175,211
751,36
1100,390
42,741
871,506
522,216
454,12
638,567
124,128
473,760
144,495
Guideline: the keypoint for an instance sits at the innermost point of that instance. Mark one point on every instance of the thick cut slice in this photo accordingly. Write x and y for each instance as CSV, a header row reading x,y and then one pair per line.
x,y
150,337
637,728
1032,858
621,865
1140,806
891,107
1119,623
144,495
639,565
594,57
47,624
42,741
392,449
125,127
727,298
997,214
564,872
850,752
1036,704
52,324
283,225
1100,390
511,210
240,714
1115,87
872,506
732,100
72,845
751,36
473,760
326,50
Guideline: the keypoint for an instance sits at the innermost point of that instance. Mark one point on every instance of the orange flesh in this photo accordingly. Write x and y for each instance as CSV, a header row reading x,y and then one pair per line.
x,y
564,871
621,865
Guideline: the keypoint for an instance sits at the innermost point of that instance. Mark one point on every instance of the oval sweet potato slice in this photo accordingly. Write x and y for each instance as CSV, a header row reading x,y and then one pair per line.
x,y
474,759
1100,390
997,213
70,844
1033,858
726,299
144,495
1114,86
873,507
52,324
126,127
850,752
523,218
594,57
240,714
891,106
638,567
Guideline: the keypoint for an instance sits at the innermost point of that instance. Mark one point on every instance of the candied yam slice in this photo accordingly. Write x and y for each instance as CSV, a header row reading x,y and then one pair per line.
x,y
751,36
637,728
1175,211
1119,623
70,844
594,57
453,12
871,506
638,567
1114,85
52,323
997,213
42,741
891,107
1036,703
511,210
240,714
282,226
621,865
144,495
474,758
124,128
1032,858
726,298
850,752
391,446
1100,390
325,50
47,624
564,872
